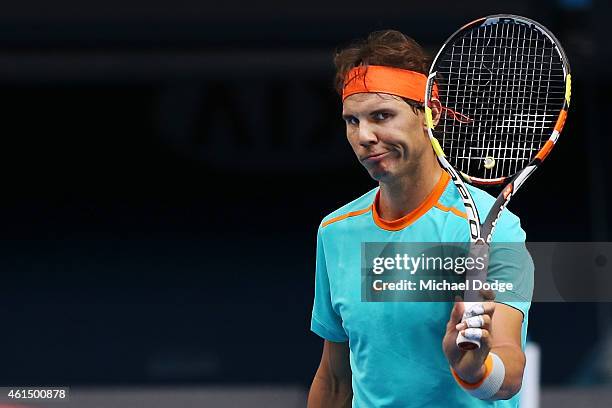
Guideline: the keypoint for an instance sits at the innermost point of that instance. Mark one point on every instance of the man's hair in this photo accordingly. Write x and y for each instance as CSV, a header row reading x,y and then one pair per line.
x,y
388,48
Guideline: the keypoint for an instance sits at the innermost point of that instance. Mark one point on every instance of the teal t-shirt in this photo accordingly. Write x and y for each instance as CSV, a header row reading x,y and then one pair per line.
x,y
396,352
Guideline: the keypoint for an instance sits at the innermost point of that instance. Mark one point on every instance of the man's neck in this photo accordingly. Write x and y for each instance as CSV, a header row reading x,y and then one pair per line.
x,y
404,195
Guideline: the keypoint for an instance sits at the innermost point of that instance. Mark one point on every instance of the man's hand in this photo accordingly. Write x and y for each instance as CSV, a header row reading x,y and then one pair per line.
x,y
477,325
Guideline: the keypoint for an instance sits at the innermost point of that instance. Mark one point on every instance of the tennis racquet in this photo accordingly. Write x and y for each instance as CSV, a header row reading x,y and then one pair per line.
x,y
504,86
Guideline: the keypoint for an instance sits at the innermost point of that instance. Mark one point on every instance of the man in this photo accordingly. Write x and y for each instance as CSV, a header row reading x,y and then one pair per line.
x,y
404,354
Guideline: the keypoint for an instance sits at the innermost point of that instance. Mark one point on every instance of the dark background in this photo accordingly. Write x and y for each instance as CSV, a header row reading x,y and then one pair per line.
x,y
165,166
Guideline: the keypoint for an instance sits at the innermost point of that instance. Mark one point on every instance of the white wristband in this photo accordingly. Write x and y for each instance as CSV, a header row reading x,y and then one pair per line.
x,y
490,383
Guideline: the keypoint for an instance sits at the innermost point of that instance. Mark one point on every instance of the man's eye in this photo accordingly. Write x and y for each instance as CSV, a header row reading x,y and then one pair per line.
x,y
351,120
381,115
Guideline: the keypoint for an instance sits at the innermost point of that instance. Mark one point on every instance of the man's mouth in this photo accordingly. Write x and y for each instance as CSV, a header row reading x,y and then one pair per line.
x,y
374,157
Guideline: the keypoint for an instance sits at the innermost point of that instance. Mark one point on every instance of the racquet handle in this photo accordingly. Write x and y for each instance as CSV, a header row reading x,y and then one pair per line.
x,y
472,297
463,343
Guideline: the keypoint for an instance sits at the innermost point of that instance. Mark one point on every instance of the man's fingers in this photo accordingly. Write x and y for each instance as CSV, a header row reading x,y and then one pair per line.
x,y
480,321
474,310
475,321
478,315
475,334
479,309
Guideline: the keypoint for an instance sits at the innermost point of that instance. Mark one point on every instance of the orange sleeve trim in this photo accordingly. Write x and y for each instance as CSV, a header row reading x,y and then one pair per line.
x,y
451,209
347,215
411,217
473,386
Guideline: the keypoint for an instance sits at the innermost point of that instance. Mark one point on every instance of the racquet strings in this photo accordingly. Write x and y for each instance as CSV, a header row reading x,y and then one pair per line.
x,y
502,87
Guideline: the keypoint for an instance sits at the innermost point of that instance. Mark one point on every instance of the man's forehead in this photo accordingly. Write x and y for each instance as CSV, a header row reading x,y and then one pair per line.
x,y
370,101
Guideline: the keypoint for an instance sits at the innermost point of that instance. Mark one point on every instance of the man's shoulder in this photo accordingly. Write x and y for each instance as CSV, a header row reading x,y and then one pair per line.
x,y
358,206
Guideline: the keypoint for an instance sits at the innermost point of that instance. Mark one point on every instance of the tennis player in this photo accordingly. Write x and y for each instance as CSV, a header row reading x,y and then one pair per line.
x,y
404,354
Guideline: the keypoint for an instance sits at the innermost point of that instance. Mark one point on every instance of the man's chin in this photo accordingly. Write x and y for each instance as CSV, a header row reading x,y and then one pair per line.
x,y
379,174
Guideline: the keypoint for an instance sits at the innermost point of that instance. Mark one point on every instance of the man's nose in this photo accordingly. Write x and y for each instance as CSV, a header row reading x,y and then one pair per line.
x,y
367,135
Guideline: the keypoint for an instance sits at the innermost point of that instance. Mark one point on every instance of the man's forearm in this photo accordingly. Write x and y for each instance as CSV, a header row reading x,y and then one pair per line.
x,y
325,393
499,378
514,363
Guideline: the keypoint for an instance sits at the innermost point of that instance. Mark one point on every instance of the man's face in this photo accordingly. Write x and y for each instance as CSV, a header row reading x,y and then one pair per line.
x,y
388,137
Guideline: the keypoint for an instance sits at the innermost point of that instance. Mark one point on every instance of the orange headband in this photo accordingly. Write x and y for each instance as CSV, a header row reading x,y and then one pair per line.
x,y
382,79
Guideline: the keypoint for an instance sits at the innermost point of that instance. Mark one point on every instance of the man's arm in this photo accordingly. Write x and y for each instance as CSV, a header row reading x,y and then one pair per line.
x,y
507,323
331,386
501,334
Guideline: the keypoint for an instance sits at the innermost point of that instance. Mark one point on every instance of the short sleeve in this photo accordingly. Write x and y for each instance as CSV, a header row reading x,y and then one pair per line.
x,y
511,262
325,321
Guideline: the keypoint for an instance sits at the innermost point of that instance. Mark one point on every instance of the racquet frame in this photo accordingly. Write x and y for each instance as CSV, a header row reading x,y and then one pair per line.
x,y
481,233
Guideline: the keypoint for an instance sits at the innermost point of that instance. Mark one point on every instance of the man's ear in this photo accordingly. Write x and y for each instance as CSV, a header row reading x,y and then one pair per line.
x,y
436,111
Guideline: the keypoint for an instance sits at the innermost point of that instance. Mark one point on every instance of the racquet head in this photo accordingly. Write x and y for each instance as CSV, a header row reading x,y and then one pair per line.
x,y
504,87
